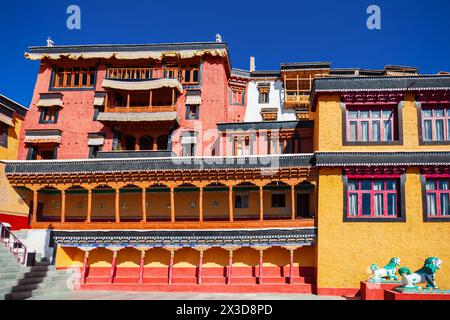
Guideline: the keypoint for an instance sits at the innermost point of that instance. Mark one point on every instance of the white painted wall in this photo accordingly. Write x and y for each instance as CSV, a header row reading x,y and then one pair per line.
x,y
276,100
39,241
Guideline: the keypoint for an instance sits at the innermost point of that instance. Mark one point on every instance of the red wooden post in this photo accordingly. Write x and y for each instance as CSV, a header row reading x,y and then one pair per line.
x,y
113,267
261,252
141,268
85,264
200,264
291,266
230,266
172,255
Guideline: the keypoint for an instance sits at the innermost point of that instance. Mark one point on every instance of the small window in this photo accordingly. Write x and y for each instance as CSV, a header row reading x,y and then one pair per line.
x,y
236,96
49,115
278,200
263,96
188,149
438,195
242,146
190,74
436,124
192,112
241,200
3,135
93,151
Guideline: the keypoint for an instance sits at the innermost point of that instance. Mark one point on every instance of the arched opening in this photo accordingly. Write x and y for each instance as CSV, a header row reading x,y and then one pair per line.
x,y
246,201
99,265
276,262
162,142
187,202
103,204
215,262
146,143
277,201
130,202
76,204
185,263
156,265
215,202
245,262
129,143
128,263
49,205
158,203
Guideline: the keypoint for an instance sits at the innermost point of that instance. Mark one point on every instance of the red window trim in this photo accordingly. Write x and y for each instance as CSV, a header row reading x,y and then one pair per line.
x,y
438,193
370,107
372,192
433,118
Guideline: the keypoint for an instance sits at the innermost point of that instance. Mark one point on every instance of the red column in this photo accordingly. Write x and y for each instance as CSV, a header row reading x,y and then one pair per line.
x,y
230,266
291,266
261,252
200,264
85,264
172,255
141,267
113,267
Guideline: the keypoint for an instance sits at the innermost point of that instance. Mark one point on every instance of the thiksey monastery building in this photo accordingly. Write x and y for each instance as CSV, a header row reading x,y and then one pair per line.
x,y
160,167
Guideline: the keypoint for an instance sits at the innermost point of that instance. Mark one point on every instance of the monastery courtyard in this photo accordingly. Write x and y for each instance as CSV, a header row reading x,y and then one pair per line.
x,y
109,295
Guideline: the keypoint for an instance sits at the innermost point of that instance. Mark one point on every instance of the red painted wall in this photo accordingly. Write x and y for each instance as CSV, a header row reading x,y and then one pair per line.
x,y
16,222
75,120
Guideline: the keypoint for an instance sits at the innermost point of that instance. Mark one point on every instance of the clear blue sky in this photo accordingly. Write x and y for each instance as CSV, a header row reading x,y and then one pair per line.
x,y
413,33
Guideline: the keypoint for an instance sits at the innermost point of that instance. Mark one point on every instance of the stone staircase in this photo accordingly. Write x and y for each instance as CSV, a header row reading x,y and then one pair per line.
x,y
18,282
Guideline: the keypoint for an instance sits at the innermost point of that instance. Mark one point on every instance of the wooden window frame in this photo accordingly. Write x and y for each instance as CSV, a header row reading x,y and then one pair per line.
x,y
60,72
4,135
242,195
433,118
370,120
189,115
54,115
438,178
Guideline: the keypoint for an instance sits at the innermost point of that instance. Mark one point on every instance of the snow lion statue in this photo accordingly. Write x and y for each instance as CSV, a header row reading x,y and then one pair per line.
x,y
425,274
389,270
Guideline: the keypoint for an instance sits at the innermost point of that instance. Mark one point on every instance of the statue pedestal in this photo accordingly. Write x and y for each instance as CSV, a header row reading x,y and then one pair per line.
x,y
375,291
395,295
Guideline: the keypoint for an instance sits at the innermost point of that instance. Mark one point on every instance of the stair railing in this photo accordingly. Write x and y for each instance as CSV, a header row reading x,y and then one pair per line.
x,y
13,244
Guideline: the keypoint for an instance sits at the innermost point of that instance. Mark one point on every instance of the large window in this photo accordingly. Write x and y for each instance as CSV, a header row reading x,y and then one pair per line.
x,y
371,124
437,194
74,77
436,124
190,73
373,198
3,135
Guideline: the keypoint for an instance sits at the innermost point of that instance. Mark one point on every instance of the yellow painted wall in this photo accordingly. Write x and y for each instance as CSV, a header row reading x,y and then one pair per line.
x,y
346,250
10,152
328,128
12,201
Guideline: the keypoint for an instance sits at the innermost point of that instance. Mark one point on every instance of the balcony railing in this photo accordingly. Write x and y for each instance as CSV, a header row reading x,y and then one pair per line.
x,y
184,75
131,108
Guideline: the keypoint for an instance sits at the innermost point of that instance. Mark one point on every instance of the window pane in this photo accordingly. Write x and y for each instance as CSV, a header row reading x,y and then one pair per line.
x,y
353,185
366,185
439,113
430,185
439,130
448,129
448,112
376,131
353,114
445,204
387,114
427,130
366,204
431,204
391,185
378,185
376,114
392,204
426,113
387,130
353,131
364,131
378,205
364,114
443,184
353,205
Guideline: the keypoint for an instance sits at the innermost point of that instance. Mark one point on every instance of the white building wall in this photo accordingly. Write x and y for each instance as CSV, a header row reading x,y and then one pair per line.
x,y
276,100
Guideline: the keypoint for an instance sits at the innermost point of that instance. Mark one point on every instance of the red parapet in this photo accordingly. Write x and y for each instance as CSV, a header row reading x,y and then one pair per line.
x,y
375,291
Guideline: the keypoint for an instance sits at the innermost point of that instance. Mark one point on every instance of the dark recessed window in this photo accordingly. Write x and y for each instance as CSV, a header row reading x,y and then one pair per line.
x,y
278,200
263,96
192,112
241,201
3,135
49,115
